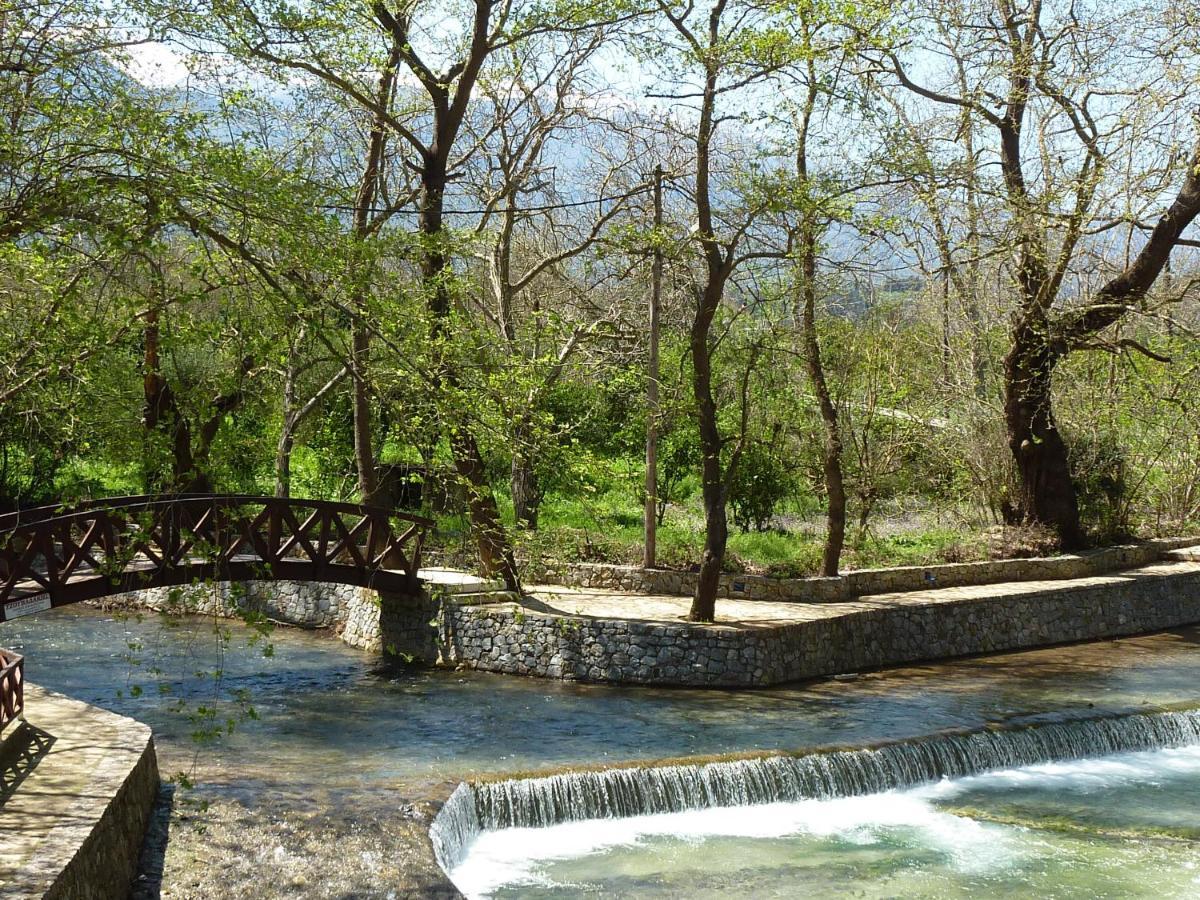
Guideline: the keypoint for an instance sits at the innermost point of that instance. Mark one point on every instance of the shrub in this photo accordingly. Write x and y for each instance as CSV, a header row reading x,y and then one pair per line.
x,y
759,485
1098,467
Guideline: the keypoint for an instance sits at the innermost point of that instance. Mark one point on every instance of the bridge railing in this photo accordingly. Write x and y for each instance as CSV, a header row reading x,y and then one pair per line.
x,y
53,556
12,688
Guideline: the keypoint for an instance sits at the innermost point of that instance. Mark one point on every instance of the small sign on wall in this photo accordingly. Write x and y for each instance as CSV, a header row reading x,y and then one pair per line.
x,y
26,606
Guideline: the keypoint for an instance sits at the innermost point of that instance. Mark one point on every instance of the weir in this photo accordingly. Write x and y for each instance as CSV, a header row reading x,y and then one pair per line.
x,y
820,774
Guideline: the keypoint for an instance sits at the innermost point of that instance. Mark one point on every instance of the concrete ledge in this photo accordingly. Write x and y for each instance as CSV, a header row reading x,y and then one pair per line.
x,y
866,581
79,787
826,639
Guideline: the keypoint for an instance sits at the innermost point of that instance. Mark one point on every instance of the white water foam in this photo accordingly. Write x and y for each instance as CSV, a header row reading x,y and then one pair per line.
x,y
1080,776
515,856
518,856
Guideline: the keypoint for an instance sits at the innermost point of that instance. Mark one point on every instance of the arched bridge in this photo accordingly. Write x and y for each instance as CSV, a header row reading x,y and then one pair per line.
x,y
52,556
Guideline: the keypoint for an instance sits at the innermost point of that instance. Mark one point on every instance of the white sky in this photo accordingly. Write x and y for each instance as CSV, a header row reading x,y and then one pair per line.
x,y
154,64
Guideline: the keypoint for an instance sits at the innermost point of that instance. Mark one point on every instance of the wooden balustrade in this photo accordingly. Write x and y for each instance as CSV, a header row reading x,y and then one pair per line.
x,y
57,555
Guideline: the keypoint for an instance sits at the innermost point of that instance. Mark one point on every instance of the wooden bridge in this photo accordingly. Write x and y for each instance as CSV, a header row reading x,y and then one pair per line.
x,y
52,556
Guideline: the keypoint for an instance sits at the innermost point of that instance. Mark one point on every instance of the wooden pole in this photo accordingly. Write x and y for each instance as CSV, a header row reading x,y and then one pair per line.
x,y
652,402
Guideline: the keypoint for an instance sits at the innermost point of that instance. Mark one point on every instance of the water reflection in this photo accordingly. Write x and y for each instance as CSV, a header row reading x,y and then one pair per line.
x,y
331,719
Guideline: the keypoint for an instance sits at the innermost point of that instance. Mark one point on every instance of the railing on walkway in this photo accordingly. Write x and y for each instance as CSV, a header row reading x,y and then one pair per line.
x,y
12,688
57,555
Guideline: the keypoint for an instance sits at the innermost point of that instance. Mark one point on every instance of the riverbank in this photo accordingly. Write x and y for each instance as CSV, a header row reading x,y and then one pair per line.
x,y
343,753
765,633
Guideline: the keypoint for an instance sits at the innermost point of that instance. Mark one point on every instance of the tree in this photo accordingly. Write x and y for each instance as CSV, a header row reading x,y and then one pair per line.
x,y
727,48
537,220
413,155
1039,78
77,139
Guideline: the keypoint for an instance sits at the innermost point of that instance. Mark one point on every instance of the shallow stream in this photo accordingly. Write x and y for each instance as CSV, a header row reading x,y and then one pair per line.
x,y
336,734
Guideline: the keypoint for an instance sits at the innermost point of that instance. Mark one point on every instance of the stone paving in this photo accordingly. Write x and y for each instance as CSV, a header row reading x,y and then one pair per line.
x,y
76,787
602,603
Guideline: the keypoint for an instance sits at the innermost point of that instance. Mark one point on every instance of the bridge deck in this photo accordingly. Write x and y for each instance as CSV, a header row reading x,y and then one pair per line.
x,y
51,557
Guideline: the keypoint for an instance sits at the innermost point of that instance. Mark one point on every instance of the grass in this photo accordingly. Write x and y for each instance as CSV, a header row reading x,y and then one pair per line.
x,y
607,528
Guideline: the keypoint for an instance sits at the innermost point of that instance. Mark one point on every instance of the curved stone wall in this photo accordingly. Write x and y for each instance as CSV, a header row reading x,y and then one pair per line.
x,y
827,639
84,785
304,604
874,632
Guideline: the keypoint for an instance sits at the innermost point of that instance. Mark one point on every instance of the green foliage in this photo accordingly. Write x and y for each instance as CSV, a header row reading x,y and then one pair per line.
x,y
760,483
1098,466
231,226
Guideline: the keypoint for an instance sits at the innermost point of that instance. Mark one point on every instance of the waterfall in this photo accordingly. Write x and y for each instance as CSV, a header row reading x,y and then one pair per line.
x,y
454,827
643,790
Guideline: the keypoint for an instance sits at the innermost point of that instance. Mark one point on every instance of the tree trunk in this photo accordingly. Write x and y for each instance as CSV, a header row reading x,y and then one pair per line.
x,y
364,452
717,266
283,464
161,414
283,449
1046,491
526,491
831,459
360,350
716,523
495,552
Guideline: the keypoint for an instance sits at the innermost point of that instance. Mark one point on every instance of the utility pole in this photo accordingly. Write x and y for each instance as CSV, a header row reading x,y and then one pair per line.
x,y
652,404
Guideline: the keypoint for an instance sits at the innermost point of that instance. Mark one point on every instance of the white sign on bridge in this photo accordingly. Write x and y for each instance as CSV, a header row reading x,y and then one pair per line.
x,y
25,607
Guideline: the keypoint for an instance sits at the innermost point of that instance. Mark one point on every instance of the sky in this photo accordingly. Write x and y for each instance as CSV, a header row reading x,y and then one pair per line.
x,y
155,64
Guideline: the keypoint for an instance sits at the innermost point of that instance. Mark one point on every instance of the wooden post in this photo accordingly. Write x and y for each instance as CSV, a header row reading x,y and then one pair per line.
x,y
652,403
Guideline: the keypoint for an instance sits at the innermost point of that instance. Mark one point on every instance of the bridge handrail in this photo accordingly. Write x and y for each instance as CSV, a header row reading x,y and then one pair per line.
x,y
12,687
129,543
38,514
32,514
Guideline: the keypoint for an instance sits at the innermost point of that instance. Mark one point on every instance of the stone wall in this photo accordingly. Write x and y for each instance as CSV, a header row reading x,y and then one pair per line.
x,y
633,579
508,639
305,604
395,624
400,624
881,630
105,865
88,781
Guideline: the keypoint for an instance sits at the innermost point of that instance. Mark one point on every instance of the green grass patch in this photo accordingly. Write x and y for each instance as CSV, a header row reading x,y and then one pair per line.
x,y
606,527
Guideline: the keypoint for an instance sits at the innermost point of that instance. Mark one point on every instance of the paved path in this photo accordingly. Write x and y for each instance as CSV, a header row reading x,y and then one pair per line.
x,y
601,603
57,779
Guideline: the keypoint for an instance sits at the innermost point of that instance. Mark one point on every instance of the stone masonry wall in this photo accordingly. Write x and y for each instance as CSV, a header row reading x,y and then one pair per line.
x,y
304,604
105,864
396,623
886,630
86,793
507,639
633,579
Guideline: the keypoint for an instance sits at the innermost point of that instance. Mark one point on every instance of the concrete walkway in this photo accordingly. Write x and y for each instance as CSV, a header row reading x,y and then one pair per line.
x,y
76,786
756,614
